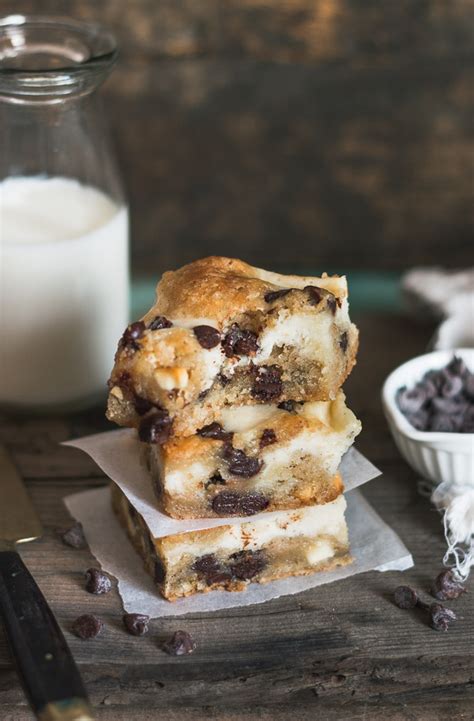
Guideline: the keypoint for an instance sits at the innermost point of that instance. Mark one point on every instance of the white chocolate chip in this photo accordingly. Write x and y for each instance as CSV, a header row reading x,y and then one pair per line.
x,y
170,378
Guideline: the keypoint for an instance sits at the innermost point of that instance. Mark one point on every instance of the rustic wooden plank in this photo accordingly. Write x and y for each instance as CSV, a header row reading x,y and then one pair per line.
x,y
321,132
282,30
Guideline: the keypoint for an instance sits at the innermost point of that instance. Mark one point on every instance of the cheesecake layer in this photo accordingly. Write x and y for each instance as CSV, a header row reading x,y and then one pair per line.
x,y
229,557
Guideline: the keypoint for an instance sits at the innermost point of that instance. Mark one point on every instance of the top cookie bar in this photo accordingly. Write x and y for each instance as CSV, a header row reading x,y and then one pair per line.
x,y
223,332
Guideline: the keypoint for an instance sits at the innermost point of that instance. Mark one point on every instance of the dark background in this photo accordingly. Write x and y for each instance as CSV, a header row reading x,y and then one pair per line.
x,y
324,134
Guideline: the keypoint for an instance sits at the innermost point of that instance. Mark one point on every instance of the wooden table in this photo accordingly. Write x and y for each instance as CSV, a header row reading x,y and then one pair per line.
x,y
339,652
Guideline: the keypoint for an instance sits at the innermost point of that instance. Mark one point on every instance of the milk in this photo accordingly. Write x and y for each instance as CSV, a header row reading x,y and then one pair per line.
x,y
64,290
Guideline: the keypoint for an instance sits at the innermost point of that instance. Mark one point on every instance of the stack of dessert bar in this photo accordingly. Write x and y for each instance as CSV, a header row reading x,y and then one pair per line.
x,y
233,382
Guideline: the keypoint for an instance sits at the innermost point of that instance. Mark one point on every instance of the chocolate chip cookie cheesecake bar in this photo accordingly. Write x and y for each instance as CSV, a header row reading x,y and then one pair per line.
x,y
256,458
225,333
229,557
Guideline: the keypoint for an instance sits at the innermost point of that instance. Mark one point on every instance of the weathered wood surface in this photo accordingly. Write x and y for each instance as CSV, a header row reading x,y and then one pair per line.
x,y
334,131
341,652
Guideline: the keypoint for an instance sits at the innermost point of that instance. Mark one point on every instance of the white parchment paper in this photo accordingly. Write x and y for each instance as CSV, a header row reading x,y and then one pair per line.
x,y
374,545
117,453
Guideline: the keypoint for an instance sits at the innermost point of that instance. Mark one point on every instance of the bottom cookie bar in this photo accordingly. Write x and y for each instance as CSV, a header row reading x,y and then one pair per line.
x,y
229,557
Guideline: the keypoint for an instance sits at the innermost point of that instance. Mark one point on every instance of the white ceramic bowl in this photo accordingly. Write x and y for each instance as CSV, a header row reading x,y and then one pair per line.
x,y
435,456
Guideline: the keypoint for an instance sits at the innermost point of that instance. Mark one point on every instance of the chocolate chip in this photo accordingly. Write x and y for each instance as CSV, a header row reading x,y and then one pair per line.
x,y
203,394
226,503
315,294
215,480
132,334
210,569
268,437
343,341
419,420
238,342
267,385
451,387
136,623
208,337
410,401
405,597
442,423
142,405
87,626
159,322
180,644
223,380
251,503
469,386
245,565
441,617
231,503
74,537
289,406
215,431
97,581
160,571
240,464
446,587
275,294
156,427
332,303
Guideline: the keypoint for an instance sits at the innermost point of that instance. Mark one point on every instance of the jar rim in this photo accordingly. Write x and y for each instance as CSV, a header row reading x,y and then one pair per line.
x,y
47,58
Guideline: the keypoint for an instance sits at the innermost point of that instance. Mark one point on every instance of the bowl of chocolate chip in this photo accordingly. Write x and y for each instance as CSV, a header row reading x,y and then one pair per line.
x,y
429,406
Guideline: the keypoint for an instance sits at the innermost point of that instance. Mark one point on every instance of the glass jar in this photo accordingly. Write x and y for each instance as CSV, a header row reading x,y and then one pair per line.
x,y
64,277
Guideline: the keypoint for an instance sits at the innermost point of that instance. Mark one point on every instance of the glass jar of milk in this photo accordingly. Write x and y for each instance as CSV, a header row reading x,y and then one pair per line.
x,y
64,282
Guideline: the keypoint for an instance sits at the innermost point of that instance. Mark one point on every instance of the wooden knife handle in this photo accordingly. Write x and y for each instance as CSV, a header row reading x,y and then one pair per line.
x,y
45,665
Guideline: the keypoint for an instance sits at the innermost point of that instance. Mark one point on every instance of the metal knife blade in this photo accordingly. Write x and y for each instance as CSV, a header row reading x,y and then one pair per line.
x,y
19,521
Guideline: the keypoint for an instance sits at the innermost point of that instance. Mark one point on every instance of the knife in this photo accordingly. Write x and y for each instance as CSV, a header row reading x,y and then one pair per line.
x,y
47,670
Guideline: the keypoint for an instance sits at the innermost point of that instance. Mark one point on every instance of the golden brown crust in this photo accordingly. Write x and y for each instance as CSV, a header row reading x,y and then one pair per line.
x,y
221,288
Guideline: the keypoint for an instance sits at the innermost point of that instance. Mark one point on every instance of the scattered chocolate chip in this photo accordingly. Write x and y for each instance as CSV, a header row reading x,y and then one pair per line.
x,y
74,537
275,294
245,565
132,334
159,322
87,626
215,431
446,587
343,341
238,342
441,617
215,480
240,464
451,387
268,437
267,385
203,394
136,623
208,337
142,405
160,571
332,303
97,581
156,427
211,570
315,294
180,644
405,597
289,406
223,380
